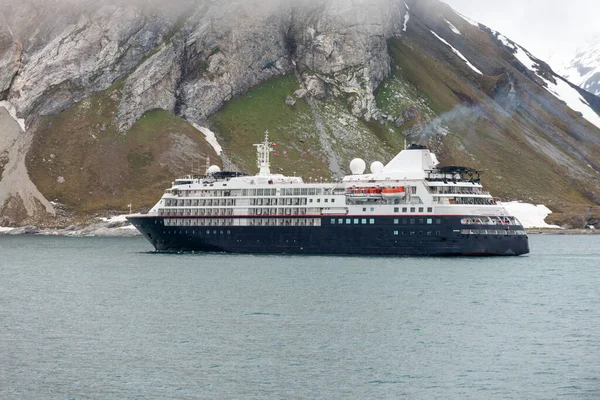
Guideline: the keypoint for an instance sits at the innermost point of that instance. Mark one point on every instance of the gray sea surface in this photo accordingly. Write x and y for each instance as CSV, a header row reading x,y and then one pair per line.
x,y
94,318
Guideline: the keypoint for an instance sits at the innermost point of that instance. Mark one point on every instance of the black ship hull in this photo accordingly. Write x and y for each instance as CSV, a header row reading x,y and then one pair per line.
x,y
385,235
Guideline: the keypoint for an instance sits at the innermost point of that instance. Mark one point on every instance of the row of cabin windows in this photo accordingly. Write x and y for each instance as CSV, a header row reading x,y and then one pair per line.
x,y
205,193
353,221
199,202
417,233
287,201
195,211
284,222
199,221
283,192
199,232
397,221
301,191
502,232
502,220
278,201
319,200
412,209
457,190
242,222
255,192
232,202
281,211
259,192
473,200
419,221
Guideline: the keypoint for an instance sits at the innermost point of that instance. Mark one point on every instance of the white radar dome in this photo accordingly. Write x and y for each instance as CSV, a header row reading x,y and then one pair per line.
x,y
357,166
213,169
376,167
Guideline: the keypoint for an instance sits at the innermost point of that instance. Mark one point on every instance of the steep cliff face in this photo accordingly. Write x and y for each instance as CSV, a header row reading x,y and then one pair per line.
x,y
330,80
10,55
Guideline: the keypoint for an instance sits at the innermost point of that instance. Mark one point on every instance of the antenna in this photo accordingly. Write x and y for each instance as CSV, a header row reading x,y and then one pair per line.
x,y
263,151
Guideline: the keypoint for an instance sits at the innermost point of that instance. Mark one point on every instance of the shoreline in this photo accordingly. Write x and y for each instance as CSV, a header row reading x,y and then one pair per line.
x,y
110,229
571,231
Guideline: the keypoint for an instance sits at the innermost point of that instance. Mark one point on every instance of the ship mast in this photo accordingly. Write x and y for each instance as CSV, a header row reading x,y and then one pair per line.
x,y
207,165
262,152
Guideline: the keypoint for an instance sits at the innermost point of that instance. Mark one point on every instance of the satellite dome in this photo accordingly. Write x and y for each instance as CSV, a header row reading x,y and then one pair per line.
x,y
357,166
213,169
376,167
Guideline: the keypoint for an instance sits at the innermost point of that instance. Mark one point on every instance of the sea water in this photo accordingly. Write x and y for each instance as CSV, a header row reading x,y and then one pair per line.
x,y
93,318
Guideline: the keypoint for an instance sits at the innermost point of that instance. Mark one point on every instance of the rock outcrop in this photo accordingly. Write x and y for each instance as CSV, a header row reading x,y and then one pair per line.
x,y
87,56
10,55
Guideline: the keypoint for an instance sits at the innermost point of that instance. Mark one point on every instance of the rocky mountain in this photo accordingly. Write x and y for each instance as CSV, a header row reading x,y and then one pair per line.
x,y
103,103
584,69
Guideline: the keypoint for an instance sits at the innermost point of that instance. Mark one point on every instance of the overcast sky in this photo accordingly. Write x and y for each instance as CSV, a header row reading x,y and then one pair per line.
x,y
549,29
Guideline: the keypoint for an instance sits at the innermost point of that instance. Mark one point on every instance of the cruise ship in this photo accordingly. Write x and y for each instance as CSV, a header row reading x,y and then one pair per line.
x,y
409,207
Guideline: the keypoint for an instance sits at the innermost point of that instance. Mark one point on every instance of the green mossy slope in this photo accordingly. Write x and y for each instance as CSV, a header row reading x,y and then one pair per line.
x,y
80,159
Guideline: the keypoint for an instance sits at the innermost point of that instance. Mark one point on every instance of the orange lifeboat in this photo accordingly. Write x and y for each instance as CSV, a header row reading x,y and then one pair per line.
x,y
364,193
394,191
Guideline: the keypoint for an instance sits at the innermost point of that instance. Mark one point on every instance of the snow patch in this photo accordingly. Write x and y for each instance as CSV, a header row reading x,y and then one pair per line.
x,y
210,137
116,218
453,28
13,113
406,19
530,215
526,59
563,91
505,41
5,229
458,53
119,219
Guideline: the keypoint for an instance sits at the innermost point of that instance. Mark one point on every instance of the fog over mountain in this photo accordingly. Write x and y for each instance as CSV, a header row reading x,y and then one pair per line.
x,y
549,29
583,68
104,103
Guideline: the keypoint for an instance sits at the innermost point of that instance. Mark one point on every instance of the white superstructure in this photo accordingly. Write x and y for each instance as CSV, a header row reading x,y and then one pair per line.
x,y
410,184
